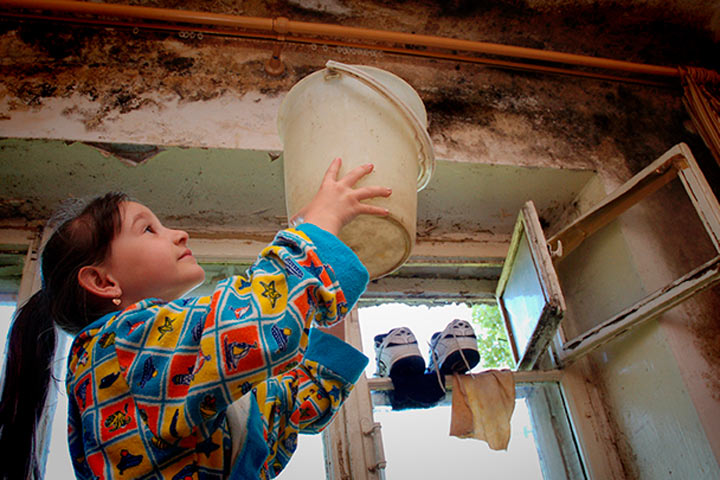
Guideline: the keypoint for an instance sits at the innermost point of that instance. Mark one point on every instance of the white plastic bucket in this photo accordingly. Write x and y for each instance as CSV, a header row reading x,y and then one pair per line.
x,y
363,115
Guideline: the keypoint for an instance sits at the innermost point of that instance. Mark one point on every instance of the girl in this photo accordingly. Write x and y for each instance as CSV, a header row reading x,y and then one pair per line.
x,y
154,380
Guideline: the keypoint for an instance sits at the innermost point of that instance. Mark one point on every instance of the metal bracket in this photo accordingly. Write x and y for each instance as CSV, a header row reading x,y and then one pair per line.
x,y
274,66
374,431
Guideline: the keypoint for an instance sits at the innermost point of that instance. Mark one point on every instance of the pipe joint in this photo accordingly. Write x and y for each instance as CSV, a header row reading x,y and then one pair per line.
x,y
281,25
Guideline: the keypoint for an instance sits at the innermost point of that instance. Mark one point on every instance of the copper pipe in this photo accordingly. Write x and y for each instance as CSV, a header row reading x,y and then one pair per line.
x,y
145,26
285,26
144,13
395,50
479,47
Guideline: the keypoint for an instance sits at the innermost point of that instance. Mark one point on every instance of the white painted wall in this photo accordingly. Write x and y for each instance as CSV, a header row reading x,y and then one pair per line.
x,y
652,377
653,380
228,121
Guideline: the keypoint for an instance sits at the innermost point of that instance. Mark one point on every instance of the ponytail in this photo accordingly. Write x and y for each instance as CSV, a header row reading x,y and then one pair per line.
x,y
28,369
83,238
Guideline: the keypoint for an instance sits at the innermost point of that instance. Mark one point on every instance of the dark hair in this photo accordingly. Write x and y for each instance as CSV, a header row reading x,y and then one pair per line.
x,y
81,239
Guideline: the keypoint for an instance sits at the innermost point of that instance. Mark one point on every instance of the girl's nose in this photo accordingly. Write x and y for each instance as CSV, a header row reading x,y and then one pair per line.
x,y
181,236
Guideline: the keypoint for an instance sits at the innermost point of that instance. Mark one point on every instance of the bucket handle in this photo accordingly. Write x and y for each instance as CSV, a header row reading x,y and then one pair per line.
x,y
426,150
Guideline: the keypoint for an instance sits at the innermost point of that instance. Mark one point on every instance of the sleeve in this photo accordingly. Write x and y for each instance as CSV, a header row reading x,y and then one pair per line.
x,y
186,361
307,398
350,272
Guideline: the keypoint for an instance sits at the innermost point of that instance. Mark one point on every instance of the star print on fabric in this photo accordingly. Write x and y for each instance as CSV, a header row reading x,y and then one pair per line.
x,y
315,269
270,292
207,446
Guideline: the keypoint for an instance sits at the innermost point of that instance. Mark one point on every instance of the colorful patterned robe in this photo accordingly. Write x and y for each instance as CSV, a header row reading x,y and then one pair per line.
x,y
148,387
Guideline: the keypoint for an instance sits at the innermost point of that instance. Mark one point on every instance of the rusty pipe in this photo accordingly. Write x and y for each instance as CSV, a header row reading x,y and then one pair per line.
x,y
504,64
284,26
338,43
479,47
143,13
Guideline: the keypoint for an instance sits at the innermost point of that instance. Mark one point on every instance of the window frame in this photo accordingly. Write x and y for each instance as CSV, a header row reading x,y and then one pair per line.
x,y
563,457
676,162
542,331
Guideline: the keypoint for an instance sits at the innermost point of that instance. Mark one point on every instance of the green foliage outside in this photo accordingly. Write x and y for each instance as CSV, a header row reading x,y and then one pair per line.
x,y
492,339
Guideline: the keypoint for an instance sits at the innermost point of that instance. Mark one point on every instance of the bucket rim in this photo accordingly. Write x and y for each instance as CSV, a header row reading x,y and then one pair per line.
x,y
426,154
426,159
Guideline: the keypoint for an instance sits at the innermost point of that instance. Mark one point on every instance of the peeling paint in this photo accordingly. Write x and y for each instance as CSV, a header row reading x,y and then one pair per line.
x,y
471,108
158,88
707,335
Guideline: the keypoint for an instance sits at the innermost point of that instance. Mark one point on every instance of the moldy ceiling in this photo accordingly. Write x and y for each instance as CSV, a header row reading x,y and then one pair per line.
x,y
477,113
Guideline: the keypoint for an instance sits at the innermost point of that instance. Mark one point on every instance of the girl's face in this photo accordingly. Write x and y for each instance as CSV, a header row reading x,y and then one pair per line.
x,y
148,260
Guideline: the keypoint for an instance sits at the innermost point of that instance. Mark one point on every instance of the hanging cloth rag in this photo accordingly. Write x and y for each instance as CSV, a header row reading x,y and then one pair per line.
x,y
482,405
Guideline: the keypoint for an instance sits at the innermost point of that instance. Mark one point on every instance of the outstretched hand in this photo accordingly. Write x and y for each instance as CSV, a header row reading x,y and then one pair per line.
x,y
337,203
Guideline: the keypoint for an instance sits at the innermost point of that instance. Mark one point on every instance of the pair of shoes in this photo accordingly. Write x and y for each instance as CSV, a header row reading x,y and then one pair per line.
x,y
452,350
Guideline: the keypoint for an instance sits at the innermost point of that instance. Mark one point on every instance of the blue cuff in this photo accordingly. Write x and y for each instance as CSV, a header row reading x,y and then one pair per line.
x,y
349,271
336,355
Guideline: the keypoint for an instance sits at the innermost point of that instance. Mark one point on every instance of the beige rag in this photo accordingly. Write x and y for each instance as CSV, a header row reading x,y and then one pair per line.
x,y
482,405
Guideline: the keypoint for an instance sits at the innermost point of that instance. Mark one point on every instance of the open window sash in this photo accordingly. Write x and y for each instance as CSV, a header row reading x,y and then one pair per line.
x,y
678,162
528,292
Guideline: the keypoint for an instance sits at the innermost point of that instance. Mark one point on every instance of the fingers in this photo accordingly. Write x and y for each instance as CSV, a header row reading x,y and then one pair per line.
x,y
333,169
371,192
356,174
366,209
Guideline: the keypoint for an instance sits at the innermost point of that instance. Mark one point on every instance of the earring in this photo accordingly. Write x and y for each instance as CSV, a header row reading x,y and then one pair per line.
x,y
116,301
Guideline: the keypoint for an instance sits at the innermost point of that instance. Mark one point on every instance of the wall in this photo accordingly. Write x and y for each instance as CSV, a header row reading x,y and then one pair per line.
x,y
655,378
660,383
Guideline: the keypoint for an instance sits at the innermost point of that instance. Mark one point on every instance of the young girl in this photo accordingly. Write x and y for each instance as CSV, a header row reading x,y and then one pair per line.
x,y
157,384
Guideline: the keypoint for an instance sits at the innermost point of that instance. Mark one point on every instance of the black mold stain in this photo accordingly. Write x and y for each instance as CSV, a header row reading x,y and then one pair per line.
x,y
176,64
126,101
32,93
7,25
464,8
59,41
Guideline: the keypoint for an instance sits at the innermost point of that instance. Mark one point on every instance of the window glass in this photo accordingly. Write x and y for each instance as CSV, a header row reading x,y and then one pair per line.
x,y
58,460
417,445
308,460
524,296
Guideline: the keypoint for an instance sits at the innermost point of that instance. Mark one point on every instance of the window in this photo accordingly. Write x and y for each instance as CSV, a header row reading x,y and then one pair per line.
x,y
308,460
529,292
417,445
417,442
676,163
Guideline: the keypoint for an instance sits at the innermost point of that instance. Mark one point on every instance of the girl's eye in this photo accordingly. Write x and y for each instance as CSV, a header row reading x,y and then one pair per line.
x,y
149,229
